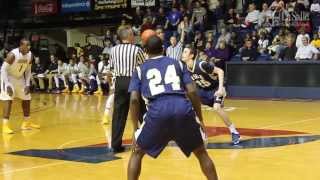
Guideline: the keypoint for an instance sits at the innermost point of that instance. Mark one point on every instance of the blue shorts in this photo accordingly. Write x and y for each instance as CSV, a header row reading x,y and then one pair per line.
x,y
208,98
169,118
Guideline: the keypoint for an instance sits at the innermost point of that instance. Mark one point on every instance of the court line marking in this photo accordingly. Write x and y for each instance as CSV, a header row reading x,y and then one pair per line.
x,y
291,123
49,164
34,167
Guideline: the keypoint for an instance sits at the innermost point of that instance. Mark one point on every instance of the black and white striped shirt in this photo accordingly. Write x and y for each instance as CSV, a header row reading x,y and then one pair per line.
x,y
124,58
175,52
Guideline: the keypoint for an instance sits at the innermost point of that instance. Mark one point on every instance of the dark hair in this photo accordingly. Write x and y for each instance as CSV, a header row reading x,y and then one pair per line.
x,y
154,45
193,50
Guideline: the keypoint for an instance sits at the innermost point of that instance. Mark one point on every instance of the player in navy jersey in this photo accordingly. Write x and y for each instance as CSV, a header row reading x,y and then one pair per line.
x,y
210,87
173,111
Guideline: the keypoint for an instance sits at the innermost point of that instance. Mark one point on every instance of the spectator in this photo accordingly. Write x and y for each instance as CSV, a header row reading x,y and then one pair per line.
x,y
147,24
289,53
306,51
63,75
51,71
160,17
173,19
225,36
263,43
38,70
265,16
315,6
280,14
302,34
316,40
84,70
231,17
107,47
73,75
188,26
249,53
252,17
221,55
275,4
278,44
199,15
199,41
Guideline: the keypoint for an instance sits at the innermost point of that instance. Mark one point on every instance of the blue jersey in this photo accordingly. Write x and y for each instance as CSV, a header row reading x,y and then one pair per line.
x,y
160,76
202,75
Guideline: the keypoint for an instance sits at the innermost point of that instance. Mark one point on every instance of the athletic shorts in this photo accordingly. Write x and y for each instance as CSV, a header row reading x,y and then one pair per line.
x,y
208,98
18,85
169,118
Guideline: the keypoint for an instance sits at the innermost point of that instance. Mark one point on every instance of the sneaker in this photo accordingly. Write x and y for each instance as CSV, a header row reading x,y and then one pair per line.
x,y
75,89
6,129
235,138
66,90
27,125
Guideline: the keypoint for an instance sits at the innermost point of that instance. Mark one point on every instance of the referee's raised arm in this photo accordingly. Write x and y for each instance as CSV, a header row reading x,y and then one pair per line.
x,y
123,60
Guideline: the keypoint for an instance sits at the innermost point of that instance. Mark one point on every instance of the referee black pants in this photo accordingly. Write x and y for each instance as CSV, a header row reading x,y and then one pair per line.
x,y
121,109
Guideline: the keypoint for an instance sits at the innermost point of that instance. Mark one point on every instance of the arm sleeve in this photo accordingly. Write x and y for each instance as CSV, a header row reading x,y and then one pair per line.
x,y
186,76
140,56
135,83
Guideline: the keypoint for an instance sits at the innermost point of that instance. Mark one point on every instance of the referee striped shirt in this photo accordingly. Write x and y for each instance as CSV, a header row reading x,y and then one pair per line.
x,y
175,52
124,58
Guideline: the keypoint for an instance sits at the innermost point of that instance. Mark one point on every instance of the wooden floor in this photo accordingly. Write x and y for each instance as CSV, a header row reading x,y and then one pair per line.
x,y
280,142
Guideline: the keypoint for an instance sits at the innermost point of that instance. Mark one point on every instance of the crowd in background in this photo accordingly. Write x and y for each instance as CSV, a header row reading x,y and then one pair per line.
x,y
262,30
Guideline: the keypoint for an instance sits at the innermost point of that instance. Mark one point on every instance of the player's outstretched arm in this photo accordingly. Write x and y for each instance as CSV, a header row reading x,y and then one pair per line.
x,y
135,108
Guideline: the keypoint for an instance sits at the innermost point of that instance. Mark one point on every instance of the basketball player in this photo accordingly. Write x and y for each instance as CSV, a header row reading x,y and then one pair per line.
x,y
164,83
15,83
211,90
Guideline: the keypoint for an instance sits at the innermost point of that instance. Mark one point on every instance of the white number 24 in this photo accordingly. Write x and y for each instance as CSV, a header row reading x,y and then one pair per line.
x,y
156,85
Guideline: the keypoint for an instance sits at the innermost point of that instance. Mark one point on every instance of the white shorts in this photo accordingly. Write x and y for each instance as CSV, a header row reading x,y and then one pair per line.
x,y
18,86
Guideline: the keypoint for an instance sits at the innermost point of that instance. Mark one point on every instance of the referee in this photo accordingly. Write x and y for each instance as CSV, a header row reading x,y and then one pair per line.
x,y
123,60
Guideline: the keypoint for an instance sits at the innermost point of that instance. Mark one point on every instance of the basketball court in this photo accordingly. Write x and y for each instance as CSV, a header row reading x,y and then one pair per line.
x,y
280,140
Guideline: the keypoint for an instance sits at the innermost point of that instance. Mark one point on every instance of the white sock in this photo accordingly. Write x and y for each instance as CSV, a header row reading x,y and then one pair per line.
x,y
5,120
233,129
26,118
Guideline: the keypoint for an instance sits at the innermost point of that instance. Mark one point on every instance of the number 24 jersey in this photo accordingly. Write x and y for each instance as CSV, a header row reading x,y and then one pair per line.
x,y
160,76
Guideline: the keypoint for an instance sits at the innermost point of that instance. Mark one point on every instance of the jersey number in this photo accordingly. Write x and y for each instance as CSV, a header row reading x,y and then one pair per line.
x,y
157,86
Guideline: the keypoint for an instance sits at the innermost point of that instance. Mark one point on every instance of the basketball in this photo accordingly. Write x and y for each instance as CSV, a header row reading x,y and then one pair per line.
x,y
146,35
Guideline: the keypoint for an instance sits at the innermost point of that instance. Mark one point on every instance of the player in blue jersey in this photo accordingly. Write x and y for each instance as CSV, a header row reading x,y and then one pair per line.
x,y
174,111
210,87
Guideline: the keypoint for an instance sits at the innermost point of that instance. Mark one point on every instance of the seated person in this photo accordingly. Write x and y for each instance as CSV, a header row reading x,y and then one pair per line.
x,y
63,74
249,53
307,51
289,53
316,40
84,70
51,71
37,71
73,75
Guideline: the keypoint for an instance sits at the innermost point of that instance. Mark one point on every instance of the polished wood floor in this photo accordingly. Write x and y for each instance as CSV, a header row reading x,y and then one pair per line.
x,y
280,142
